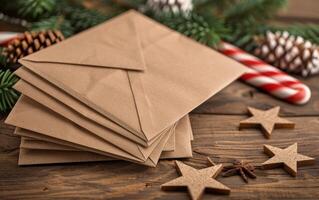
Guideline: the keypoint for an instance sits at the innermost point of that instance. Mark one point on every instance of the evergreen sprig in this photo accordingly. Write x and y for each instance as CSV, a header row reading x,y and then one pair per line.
x,y
245,38
235,21
54,23
36,9
248,18
195,26
82,18
8,95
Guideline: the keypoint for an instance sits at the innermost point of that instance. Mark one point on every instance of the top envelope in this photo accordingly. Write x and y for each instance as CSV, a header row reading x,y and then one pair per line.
x,y
136,72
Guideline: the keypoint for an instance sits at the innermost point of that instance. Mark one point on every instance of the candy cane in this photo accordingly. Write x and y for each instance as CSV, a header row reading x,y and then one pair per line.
x,y
6,37
267,77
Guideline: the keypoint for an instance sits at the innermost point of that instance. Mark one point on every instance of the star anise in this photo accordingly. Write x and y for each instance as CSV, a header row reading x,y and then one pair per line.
x,y
241,168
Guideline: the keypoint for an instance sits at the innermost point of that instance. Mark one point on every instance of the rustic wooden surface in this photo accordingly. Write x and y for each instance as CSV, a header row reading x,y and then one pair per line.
x,y
215,126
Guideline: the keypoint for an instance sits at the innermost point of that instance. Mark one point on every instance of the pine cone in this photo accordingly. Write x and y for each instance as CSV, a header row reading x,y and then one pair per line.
x,y
30,43
174,6
289,53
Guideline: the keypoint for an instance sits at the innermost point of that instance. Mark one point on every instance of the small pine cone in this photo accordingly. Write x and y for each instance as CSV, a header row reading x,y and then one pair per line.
x,y
29,43
289,53
175,6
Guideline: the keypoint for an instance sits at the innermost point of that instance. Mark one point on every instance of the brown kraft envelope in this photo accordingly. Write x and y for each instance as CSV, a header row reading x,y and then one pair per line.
x,y
113,152
48,152
80,120
83,147
74,104
31,115
32,143
136,72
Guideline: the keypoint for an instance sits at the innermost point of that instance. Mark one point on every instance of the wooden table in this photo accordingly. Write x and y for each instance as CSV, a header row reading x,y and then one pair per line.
x,y
215,126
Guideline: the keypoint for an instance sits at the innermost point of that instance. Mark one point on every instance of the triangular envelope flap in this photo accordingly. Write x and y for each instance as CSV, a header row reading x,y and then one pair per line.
x,y
114,44
183,71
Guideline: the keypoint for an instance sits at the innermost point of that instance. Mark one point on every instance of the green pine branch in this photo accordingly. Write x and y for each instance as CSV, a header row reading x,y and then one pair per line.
x,y
236,21
248,18
8,95
54,23
245,38
36,9
82,18
195,26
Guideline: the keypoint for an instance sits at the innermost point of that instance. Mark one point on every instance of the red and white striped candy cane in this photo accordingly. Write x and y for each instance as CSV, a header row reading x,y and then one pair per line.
x,y
267,77
6,37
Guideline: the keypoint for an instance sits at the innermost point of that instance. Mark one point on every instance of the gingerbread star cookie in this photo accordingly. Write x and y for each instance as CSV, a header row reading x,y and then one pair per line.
x,y
267,120
288,158
197,181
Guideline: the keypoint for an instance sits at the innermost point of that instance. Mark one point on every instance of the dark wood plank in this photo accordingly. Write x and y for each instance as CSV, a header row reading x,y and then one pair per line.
x,y
234,100
216,136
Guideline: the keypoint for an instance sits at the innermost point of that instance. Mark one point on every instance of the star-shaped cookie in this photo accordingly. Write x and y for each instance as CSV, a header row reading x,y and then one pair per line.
x,y
197,181
288,158
266,119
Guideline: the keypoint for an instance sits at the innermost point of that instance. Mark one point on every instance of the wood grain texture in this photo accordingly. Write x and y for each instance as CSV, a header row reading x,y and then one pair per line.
x,y
215,135
236,97
301,10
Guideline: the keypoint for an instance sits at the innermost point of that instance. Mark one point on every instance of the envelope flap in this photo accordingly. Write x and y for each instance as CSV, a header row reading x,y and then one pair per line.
x,y
114,44
183,71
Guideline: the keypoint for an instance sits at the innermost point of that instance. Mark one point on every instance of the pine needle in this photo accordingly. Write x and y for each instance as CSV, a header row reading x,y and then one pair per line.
x,y
36,9
8,95
54,23
193,25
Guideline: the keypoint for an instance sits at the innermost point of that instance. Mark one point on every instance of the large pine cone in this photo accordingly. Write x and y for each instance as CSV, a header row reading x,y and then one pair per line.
x,y
289,53
30,43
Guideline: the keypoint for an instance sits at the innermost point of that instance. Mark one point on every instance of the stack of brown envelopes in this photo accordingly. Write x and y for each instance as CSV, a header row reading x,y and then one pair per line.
x,y
120,90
